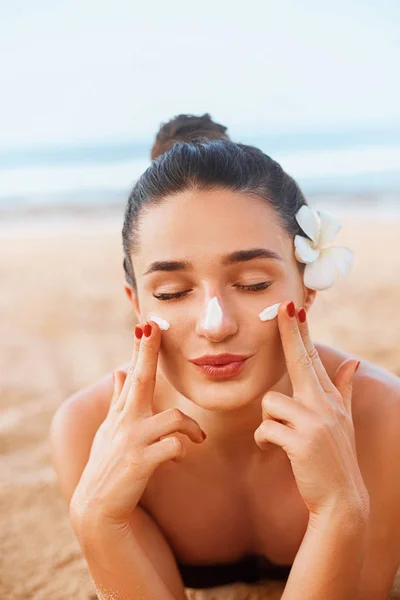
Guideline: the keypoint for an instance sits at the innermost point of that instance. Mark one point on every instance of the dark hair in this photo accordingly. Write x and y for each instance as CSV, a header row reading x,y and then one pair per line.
x,y
207,165
185,128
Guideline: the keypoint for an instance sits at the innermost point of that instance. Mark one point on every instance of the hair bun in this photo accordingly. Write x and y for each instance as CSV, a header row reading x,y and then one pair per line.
x,y
186,128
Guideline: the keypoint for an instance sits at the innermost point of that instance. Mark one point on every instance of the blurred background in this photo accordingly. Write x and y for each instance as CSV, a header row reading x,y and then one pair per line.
x,y
85,87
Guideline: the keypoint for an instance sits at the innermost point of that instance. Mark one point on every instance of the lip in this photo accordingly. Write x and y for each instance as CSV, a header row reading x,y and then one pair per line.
x,y
222,371
218,359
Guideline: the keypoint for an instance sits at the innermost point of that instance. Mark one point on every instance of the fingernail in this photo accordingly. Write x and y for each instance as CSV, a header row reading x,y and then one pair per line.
x,y
138,332
291,311
302,315
357,366
147,329
203,434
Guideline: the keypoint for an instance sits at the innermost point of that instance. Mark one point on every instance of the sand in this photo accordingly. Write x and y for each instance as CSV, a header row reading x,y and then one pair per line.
x,y
65,322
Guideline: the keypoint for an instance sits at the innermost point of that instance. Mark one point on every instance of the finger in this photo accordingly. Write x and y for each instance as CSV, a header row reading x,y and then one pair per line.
x,y
168,422
119,378
299,364
278,406
120,401
343,381
279,434
139,400
319,368
170,448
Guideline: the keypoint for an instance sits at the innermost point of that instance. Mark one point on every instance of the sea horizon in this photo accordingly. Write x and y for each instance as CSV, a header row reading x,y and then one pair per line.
x,y
346,164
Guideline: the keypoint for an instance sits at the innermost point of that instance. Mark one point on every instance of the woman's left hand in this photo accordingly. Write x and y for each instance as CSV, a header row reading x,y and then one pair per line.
x,y
314,427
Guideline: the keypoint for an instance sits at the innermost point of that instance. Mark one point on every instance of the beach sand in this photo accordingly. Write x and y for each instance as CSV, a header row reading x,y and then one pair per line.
x,y
66,321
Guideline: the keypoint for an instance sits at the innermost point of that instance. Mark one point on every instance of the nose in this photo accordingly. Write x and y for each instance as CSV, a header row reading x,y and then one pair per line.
x,y
216,323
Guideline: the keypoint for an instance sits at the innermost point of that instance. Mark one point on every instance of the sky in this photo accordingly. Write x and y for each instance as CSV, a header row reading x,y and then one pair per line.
x,y
74,71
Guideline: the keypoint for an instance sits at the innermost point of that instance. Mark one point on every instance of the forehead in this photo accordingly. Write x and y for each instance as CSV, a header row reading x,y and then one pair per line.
x,y
208,223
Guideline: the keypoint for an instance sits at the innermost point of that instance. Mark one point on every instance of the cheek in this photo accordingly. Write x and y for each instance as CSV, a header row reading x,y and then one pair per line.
x,y
270,356
269,346
168,361
171,349
267,335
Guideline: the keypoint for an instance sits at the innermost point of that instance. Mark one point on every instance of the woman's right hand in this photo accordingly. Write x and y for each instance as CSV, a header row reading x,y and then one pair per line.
x,y
127,447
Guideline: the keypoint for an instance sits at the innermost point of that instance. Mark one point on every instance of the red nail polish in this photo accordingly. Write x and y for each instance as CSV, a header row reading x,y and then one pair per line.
x,y
291,311
302,315
147,330
138,332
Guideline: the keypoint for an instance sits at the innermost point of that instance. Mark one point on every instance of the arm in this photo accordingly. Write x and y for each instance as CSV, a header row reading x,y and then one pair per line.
x,y
376,544
132,563
71,435
315,428
127,556
329,561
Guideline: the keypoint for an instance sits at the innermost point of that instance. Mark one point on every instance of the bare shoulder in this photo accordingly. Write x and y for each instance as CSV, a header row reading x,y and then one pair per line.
x,y
96,397
376,418
73,428
376,391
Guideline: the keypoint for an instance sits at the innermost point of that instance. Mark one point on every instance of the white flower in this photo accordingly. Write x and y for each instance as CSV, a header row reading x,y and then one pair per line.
x,y
322,262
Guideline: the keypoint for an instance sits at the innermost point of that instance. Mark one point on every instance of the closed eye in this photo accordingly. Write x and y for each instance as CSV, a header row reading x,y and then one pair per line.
x,y
257,287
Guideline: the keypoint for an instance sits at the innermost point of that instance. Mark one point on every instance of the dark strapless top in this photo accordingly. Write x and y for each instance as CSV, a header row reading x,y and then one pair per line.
x,y
250,569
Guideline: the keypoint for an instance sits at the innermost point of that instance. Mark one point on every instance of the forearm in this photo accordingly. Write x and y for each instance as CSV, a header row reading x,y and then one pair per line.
x,y
329,561
120,569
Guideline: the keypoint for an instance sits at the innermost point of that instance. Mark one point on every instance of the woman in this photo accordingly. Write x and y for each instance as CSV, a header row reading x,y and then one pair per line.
x,y
231,447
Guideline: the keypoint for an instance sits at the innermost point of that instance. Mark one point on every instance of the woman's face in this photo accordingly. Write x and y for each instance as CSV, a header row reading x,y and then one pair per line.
x,y
200,229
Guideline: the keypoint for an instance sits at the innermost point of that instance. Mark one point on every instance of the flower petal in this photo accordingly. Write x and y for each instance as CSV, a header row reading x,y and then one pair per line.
x,y
309,221
342,257
321,274
329,229
304,252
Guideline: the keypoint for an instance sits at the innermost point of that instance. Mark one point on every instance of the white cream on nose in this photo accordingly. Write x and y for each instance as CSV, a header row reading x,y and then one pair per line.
x,y
270,312
213,318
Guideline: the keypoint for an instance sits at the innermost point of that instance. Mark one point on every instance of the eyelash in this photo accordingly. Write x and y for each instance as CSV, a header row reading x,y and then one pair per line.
x,y
248,288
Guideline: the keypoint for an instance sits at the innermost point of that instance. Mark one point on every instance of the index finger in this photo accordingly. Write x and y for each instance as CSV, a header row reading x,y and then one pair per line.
x,y
323,377
298,362
119,395
139,401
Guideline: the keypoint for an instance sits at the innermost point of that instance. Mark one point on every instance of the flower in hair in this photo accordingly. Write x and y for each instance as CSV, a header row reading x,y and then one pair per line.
x,y
322,262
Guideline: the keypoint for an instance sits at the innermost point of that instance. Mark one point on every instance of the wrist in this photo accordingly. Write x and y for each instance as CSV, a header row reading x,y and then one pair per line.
x,y
349,514
87,521
90,522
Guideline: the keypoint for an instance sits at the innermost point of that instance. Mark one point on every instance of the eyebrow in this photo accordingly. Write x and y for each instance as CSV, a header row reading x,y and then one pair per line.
x,y
227,259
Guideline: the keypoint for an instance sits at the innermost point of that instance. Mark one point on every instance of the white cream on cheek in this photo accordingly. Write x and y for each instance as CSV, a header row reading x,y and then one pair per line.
x,y
213,318
162,323
270,312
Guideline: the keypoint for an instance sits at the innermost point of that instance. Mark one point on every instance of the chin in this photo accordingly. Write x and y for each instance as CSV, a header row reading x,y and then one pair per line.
x,y
223,395
223,402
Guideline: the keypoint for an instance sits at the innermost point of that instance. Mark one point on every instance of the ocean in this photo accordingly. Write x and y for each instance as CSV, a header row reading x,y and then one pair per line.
x,y
344,166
